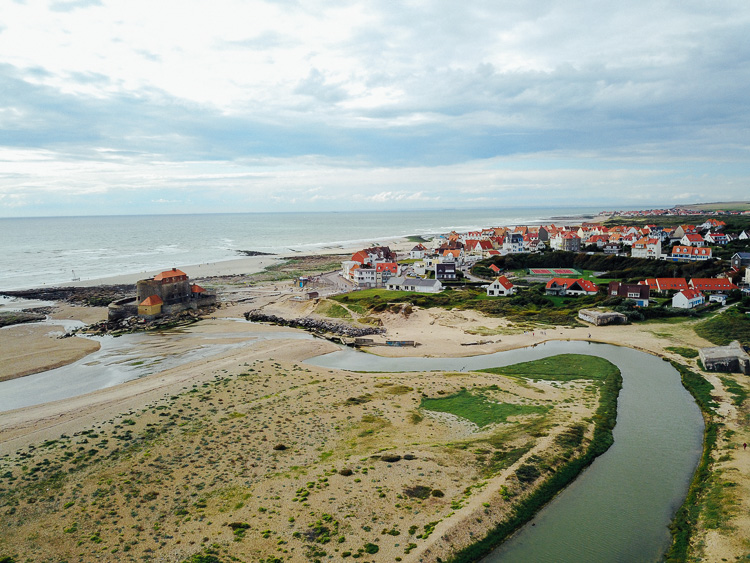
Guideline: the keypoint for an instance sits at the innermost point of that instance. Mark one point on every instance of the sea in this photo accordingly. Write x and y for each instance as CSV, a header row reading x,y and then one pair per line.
x,y
47,251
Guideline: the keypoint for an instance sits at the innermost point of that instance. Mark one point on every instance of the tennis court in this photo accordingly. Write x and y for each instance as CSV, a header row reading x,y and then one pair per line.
x,y
554,272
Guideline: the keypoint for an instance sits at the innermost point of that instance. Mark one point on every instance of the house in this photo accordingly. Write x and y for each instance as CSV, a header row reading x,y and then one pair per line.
x,y
513,243
569,286
453,255
683,230
712,285
384,271
364,277
714,224
664,285
570,242
599,240
150,307
715,238
612,248
495,268
417,253
690,253
646,248
744,235
531,243
417,285
446,271
692,239
740,259
501,286
688,299
637,292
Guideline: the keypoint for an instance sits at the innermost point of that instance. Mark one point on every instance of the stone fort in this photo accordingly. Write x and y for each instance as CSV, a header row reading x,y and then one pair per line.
x,y
166,293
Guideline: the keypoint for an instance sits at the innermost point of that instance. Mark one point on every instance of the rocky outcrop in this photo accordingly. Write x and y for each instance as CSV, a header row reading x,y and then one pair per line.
x,y
317,326
139,324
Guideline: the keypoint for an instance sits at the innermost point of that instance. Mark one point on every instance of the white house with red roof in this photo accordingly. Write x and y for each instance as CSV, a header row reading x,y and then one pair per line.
x,y
715,238
646,248
570,286
688,299
690,253
663,285
712,285
384,271
692,239
500,287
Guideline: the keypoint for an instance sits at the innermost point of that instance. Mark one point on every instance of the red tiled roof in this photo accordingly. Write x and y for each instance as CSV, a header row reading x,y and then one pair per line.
x,y
505,282
362,257
195,288
494,268
152,300
712,284
386,266
170,274
586,285
691,293
673,284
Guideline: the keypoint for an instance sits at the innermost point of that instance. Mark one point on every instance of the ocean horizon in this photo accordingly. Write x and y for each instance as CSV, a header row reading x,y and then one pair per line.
x,y
48,251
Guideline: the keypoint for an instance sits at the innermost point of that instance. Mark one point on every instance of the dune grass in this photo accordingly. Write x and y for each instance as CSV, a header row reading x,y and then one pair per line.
x,y
564,367
478,408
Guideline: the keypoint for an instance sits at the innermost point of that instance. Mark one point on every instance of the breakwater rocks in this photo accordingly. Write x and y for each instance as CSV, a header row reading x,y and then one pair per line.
x,y
313,325
139,324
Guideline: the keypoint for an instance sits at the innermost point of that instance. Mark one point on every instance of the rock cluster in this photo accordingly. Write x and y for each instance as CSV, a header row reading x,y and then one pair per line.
x,y
313,325
138,324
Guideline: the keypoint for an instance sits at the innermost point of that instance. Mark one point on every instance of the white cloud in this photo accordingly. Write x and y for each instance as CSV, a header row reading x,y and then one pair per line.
x,y
406,104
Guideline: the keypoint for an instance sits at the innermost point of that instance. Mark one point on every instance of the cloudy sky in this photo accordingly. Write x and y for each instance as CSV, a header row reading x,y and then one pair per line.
x,y
165,106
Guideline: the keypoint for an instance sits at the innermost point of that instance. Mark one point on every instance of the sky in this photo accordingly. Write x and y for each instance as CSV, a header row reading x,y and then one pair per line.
x,y
112,107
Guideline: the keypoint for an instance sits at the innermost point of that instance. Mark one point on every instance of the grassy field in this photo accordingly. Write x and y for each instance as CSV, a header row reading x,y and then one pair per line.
x,y
529,305
565,367
721,329
332,310
479,409
684,352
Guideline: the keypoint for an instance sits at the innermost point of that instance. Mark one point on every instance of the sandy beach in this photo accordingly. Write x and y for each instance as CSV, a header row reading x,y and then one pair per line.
x,y
288,400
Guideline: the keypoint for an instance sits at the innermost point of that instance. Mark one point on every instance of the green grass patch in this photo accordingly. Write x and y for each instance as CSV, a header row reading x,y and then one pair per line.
x,y
684,352
698,386
332,310
738,392
478,408
725,327
564,367
686,519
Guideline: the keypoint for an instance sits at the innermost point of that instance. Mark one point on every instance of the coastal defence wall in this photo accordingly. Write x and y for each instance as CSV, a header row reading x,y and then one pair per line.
x,y
122,309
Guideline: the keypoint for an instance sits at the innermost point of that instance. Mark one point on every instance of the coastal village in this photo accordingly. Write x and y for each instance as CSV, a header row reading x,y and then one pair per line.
x,y
257,454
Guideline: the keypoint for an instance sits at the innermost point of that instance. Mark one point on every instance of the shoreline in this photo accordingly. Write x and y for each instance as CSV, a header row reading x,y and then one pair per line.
x,y
240,264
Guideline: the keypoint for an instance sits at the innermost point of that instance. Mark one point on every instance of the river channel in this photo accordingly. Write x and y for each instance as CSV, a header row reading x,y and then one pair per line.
x,y
618,510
